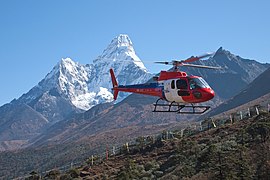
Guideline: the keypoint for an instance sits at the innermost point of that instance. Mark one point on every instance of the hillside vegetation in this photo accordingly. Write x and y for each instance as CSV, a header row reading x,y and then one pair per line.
x,y
230,151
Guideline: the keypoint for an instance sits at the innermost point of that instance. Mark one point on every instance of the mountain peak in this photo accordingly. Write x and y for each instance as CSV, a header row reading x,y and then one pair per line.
x,y
119,46
120,50
64,66
68,65
223,54
66,61
220,49
122,40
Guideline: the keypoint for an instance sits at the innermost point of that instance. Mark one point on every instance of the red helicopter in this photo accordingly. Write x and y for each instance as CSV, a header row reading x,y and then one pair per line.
x,y
174,87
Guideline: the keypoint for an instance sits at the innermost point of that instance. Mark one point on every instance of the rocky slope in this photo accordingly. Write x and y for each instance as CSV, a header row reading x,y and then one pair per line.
x,y
18,124
235,75
257,88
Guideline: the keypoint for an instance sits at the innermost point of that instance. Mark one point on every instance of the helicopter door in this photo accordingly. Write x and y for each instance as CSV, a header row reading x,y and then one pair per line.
x,y
170,90
182,87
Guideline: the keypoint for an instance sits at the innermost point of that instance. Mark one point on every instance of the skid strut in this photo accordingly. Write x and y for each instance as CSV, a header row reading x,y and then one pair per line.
x,y
180,108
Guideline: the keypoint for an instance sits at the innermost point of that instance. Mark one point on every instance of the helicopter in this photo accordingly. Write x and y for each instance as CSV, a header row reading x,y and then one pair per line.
x,y
180,92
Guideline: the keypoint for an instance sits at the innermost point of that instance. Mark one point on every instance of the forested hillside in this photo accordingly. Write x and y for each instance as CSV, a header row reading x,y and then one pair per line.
x,y
238,150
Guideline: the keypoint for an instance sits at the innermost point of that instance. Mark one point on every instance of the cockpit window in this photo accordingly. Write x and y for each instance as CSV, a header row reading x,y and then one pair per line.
x,y
172,84
195,83
181,84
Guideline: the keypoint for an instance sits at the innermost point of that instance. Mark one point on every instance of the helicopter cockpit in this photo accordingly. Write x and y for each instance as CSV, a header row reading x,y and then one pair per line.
x,y
193,83
198,82
186,86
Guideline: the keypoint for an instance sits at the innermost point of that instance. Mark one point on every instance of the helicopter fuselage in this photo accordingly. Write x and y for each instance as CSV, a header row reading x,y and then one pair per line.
x,y
172,87
180,90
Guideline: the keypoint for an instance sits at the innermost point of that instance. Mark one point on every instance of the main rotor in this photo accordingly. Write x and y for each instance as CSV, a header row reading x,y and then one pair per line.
x,y
178,63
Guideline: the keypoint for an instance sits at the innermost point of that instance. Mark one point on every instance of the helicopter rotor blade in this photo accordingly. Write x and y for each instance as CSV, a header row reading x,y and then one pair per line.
x,y
179,63
196,58
200,66
164,62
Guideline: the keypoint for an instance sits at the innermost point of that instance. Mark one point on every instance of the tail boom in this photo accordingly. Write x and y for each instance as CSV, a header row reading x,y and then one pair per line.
x,y
152,89
146,89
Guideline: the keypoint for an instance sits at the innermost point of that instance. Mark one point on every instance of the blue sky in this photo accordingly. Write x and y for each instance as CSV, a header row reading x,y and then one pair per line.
x,y
35,35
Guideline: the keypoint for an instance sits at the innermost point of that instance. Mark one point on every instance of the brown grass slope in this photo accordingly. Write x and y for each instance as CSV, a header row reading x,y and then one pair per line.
x,y
231,151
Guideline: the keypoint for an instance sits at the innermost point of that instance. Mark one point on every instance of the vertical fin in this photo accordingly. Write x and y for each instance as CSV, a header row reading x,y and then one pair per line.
x,y
115,85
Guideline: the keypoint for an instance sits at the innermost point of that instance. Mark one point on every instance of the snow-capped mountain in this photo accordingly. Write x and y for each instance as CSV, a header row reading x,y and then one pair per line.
x,y
127,66
85,86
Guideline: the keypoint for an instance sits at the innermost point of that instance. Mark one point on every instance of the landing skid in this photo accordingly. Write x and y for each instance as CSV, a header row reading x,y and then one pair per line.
x,y
180,108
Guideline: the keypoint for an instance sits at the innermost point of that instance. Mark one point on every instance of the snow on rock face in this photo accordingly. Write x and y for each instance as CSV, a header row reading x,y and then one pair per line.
x,y
72,83
85,86
70,79
121,57
121,49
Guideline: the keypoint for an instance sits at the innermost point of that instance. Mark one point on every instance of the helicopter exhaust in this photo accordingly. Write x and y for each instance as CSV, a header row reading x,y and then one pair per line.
x,y
115,85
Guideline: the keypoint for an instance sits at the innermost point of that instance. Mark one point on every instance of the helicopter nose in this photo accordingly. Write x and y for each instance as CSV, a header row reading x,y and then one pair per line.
x,y
210,94
204,94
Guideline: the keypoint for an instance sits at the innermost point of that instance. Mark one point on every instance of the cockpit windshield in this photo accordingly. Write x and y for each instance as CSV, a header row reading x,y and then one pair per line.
x,y
199,82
